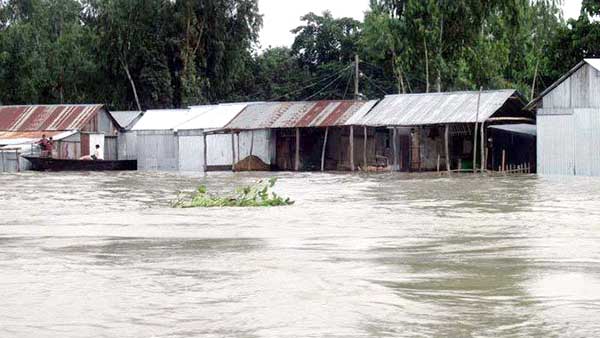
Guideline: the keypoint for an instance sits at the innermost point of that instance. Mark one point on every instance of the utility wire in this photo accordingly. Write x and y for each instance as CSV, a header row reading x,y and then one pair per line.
x,y
314,83
347,85
327,86
371,81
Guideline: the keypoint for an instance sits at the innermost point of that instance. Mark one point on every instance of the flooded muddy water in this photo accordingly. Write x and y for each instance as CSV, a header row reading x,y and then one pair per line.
x,y
390,255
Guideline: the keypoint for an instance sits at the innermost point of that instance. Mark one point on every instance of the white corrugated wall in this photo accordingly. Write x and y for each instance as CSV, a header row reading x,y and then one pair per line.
x,y
157,150
555,145
587,142
191,153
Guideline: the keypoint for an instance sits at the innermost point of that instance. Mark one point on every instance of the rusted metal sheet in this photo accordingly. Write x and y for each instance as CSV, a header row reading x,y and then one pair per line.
x,y
299,114
47,118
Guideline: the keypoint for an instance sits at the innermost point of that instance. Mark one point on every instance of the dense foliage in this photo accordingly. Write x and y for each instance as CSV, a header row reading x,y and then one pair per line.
x,y
133,54
256,195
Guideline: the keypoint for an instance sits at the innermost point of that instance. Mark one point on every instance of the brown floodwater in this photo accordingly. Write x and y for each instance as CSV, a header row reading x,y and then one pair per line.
x,y
389,255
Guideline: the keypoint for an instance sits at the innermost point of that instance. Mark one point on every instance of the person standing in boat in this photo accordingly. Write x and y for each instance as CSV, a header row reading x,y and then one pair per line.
x,y
49,147
43,143
97,155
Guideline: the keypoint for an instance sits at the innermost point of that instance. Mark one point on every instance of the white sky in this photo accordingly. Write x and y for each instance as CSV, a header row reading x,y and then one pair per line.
x,y
281,16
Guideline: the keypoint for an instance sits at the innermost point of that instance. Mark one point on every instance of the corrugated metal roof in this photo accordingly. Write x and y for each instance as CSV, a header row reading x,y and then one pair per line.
x,y
526,129
47,117
212,117
435,108
595,63
125,118
162,119
196,117
300,114
19,137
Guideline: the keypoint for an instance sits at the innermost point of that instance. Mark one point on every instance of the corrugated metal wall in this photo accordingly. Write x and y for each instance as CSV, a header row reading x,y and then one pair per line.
x,y
555,145
587,142
191,153
8,161
157,150
127,144
110,148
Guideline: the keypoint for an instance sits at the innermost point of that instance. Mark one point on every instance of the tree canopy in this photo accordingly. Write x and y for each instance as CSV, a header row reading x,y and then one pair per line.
x,y
140,54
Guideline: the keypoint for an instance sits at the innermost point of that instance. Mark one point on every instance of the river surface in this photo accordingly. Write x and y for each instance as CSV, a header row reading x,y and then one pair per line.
x,y
390,255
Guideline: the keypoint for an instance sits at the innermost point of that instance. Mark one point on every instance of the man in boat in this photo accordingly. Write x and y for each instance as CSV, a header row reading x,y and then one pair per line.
x,y
97,155
43,143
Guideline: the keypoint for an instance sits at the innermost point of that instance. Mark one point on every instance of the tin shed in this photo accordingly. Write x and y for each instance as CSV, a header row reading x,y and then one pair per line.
x,y
568,123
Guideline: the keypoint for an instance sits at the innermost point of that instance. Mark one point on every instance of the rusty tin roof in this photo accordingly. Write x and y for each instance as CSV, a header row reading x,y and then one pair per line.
x,y
46,117
299,114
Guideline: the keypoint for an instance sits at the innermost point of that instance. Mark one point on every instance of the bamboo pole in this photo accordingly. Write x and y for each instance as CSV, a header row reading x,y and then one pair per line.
x,y
503,160
237,136
483,148
324,149
251,150
438,163
232,152
17,156
366,165
205,153
395,148
297,157
3,159
475,133
447,141
352,148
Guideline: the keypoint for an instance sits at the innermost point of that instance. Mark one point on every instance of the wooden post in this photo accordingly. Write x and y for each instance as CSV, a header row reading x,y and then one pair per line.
x,y
503,160
324,149
475,133
447,141
395,148
356,77
3,165
366,164
438,163
18,163
297,157
352,148
205,153
237,136
486,160
483,148
232,152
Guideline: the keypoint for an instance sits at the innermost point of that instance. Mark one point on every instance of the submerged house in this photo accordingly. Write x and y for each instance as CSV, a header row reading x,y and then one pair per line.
x,y
568,123
317,135
174,139
76,129
435,131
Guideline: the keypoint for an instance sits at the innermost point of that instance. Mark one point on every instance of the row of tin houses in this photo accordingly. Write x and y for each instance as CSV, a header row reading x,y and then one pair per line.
x,y
454,131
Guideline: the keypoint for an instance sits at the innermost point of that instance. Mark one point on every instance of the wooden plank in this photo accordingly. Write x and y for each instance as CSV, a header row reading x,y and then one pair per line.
x,y
324,149
297,157
352,148
366,164
447,145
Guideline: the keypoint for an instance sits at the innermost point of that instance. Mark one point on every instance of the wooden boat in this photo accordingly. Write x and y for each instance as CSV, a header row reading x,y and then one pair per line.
x,y
53,164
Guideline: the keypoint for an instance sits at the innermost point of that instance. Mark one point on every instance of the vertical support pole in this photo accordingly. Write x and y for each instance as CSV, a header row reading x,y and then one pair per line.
x,y
483,148
475,133
232,152
297,157
3,164
205,152
237,136
251,150
352,148
438,163
324,149
447,145
503,160
17,156
366,164
395,148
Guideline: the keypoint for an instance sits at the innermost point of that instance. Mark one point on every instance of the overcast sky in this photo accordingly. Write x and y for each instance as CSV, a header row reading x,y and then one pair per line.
x,y
281,16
